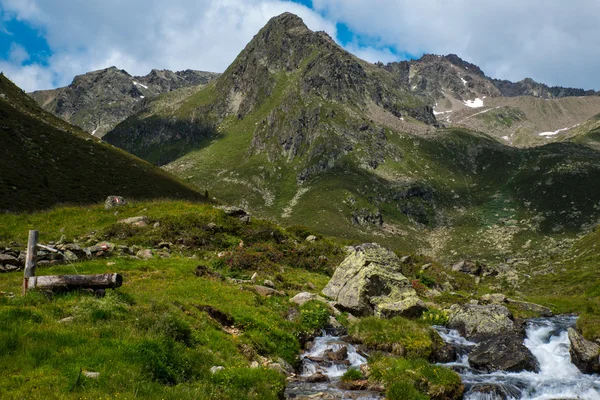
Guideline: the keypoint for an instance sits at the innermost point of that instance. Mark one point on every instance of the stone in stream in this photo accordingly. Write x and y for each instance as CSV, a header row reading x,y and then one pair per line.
x,y
503,353
338,355
584,354
368,282
480,322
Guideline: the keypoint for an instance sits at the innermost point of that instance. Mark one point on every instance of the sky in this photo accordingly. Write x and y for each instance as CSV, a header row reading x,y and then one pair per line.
x,y
45,43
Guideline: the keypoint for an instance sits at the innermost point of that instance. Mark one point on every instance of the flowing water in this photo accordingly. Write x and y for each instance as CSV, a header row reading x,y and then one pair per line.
x,y
558,378
312,364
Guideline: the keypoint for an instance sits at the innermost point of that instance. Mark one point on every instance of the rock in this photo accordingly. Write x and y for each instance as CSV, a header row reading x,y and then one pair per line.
x,y
254,364
90,374
145,254
536,308
410,307
266,291
479,322
70,256
496,298
287,367
338,355
165,245
135,221
406,259
311,238
9,268
278,368
304,297
584,354
368,277
316,378
444,354
66,320
447,287
503,353
237,212
269,283
467,267
216,368
7,259
114,201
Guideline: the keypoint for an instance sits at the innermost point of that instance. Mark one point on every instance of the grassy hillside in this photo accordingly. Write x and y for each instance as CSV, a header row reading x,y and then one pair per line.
x,y
45,161
178,314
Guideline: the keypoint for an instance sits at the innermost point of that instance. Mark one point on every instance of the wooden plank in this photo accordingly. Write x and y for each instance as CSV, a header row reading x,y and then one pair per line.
x,y
69,282
30,258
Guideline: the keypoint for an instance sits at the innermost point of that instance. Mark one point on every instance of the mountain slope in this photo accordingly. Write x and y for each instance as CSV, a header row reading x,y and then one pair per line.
x,y
45,161
99,100
308,134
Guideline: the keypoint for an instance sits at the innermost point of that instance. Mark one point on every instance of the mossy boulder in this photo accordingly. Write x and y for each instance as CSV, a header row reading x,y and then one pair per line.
x,y
369,282
584,354
481,322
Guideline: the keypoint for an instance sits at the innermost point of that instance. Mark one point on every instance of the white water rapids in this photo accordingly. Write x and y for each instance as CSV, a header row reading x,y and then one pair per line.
x,y
558,378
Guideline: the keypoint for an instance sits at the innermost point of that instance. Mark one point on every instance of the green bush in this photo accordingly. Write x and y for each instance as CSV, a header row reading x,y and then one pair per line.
x,y
435,316
314,315
352,374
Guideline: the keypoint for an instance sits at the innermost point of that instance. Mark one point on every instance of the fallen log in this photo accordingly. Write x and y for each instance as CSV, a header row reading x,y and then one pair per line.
x,y
70,282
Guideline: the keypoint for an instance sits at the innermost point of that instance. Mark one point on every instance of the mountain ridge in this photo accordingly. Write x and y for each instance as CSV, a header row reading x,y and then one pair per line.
x,y
45,161
98,100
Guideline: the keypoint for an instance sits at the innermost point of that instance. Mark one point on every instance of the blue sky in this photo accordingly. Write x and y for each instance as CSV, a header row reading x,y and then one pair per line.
x,y
45,43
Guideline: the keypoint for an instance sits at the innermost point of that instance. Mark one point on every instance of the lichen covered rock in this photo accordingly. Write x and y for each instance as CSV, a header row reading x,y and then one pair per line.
x,y
369,282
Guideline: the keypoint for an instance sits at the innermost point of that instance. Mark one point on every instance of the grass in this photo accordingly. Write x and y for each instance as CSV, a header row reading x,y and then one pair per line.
x,y
153,338
414,379
412,339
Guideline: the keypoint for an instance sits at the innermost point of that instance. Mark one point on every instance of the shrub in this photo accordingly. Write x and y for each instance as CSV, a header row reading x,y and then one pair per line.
x,y
435,316
314,315
352,374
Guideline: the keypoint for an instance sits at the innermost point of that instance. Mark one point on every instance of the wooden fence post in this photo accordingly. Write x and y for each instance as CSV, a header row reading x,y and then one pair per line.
x,y
30,259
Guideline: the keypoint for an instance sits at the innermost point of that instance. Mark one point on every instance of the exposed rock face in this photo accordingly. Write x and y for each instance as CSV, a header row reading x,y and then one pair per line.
x,y
529,87
368,281
480,322
99,100
584,354
503,353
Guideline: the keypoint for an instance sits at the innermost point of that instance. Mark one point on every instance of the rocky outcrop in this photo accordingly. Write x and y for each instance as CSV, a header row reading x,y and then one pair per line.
x,y
503,353
99,100
368,282
480,322
584,354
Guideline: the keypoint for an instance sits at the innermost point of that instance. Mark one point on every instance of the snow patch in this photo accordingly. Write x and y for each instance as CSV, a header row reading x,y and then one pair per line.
x,y
557,131
94,131
463,81
139,84
142,97
505,138
477,103
441,112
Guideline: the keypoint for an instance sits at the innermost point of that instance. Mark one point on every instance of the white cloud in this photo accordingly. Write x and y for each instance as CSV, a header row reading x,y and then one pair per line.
x,y
138,35
549,41
513,39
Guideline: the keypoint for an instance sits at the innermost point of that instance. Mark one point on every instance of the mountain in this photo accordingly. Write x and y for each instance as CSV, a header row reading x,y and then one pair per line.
x,y
305,133
45,161
99,100
521,114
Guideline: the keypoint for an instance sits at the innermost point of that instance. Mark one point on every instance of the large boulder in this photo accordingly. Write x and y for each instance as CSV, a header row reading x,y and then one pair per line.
x,y
480,322
503,353
369,282
584,354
